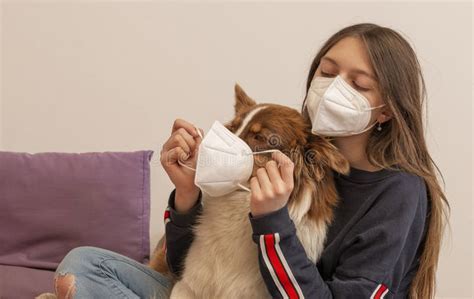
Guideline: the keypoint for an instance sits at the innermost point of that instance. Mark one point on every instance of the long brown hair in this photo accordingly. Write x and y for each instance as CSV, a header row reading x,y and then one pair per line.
x,y
401,142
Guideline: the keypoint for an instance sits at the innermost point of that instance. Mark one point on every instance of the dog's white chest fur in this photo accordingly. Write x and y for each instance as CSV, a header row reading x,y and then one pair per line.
x,y
222,261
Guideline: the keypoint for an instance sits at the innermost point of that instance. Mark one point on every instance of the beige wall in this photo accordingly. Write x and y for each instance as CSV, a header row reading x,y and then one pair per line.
x,y
95,76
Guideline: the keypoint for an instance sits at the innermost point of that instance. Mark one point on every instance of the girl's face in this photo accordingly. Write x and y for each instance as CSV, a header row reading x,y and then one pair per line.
x,y
349,59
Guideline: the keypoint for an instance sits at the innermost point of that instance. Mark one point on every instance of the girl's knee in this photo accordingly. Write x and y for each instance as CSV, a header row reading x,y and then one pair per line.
x,y
64,286
77,260
82,253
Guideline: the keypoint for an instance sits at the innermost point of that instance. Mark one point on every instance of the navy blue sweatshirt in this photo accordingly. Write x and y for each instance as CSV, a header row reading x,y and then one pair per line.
x,y
372,248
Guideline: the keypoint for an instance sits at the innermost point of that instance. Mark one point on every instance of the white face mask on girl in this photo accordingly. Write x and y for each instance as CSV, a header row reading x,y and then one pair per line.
x,y
224,162
337,109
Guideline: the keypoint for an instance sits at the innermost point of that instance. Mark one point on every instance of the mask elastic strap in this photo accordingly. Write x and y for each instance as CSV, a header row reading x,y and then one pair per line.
x,y
243,187
370,127
185,166
255,153
240,185
199,132
266,151
373,108
365,130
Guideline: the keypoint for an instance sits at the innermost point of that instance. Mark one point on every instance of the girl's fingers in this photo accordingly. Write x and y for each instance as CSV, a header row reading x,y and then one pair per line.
x,y
274,173
171,157
181,123
263,180
183,144
286,167
255,187
200,137
178,136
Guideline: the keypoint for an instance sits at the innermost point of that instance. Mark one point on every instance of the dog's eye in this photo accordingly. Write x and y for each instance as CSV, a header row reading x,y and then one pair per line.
x,y
259,137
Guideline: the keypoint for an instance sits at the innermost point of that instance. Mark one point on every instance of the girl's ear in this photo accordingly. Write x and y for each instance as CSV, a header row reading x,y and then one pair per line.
x,y
384,116
242,100
320,155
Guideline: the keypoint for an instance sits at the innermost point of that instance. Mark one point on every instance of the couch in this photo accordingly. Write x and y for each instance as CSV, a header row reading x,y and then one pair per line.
x,y
53,202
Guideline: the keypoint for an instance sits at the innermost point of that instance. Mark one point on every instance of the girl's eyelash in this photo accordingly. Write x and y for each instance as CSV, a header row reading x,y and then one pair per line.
x,y
326,74
360,87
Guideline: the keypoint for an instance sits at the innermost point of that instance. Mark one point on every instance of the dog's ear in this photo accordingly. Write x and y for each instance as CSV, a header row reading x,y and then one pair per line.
x,y
336,161
321,155
242,100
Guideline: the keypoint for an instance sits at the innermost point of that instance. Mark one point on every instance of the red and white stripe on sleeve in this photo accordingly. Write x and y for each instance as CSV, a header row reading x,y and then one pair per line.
x,y
278,266
380,291
167,215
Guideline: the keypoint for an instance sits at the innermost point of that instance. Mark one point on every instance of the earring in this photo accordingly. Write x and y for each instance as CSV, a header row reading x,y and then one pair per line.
x,y
379,127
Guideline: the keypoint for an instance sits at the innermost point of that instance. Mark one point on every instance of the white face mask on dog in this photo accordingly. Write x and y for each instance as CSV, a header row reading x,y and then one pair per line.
x,y
224,162
337,109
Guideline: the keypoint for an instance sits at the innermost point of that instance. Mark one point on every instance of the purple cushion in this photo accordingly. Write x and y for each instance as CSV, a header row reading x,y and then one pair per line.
x,y
53,202
21,282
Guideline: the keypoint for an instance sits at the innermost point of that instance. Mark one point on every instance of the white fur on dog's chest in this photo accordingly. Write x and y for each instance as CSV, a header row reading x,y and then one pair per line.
x,y
222,261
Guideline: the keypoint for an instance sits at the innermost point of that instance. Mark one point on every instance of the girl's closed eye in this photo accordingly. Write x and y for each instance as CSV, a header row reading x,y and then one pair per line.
x,y
324,74
359,87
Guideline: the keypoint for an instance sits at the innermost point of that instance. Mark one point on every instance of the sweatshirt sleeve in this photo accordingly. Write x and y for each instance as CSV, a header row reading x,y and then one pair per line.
x,y
179,233
382,246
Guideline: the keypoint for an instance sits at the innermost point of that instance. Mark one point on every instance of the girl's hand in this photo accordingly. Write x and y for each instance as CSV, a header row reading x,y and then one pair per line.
x,y
272,186
182,145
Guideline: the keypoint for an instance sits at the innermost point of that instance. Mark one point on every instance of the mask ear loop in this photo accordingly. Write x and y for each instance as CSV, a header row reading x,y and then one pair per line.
x,y
186,166
254,153
373,108
365,130
199,132
372,125
267,151
243,187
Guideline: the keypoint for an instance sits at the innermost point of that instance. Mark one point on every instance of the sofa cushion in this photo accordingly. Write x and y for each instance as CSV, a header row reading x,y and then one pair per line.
x,y
53,202
22,282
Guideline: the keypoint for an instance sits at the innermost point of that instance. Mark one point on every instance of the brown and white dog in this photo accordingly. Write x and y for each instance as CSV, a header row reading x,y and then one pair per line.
x,y
222,261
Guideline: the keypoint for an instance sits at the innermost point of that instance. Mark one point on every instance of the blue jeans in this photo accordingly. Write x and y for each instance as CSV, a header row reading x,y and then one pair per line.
x,y
101,273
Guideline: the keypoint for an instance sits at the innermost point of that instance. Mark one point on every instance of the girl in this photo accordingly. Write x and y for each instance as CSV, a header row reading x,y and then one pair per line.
x,y
386,235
